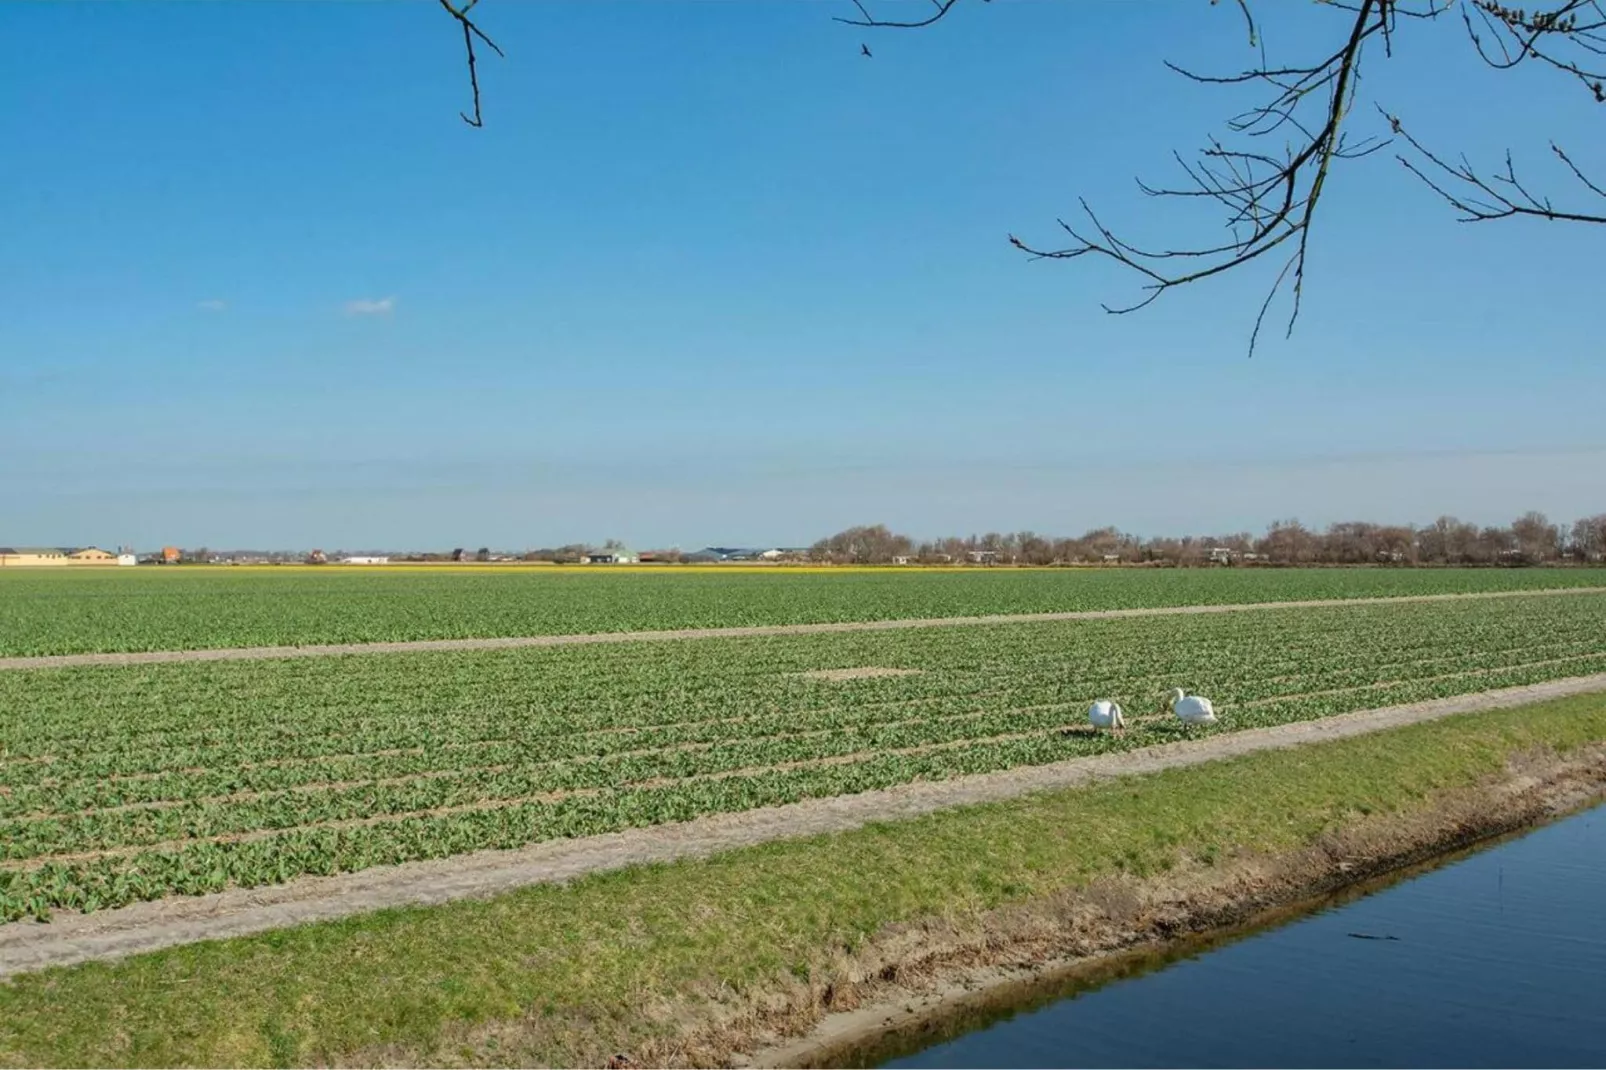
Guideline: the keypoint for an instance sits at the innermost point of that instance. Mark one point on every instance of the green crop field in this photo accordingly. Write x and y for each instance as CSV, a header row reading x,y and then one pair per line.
x,y
127,783
62,611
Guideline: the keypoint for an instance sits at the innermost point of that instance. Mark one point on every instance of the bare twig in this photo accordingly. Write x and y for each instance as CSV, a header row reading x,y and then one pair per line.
x,y
471,33
1569,37
865,18
1501,195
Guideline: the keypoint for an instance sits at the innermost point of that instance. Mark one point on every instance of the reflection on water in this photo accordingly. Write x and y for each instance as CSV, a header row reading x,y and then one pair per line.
x,y
1496,960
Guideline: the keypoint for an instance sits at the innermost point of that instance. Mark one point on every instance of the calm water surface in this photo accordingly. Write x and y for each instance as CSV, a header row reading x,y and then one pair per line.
x,y
1496,960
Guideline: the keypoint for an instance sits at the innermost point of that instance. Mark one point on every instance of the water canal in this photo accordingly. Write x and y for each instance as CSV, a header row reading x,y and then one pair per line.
x,y
1496,959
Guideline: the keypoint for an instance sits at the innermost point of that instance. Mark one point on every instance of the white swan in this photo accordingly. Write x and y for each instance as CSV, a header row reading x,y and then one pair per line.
x,y
1106,714
1190,709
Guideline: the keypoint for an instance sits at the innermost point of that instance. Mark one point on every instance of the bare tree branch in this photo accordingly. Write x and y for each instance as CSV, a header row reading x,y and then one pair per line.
x,y
1500,196
471,32
1569,37
942,7
1249,18
1272,199
1272,196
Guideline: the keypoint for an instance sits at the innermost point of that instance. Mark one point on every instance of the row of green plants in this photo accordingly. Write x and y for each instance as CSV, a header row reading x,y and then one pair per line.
x,y
126,784
69,611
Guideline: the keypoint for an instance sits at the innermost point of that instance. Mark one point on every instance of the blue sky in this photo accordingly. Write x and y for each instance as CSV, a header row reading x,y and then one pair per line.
x,y
709,275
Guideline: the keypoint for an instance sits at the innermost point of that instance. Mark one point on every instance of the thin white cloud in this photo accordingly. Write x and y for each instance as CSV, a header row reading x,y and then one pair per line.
x,y
212,305
369,306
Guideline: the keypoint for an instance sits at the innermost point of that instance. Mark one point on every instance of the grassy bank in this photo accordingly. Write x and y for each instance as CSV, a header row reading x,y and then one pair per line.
x,y
625,961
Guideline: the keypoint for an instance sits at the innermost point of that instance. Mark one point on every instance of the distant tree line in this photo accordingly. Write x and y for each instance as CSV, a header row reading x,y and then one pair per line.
x,y
1531,539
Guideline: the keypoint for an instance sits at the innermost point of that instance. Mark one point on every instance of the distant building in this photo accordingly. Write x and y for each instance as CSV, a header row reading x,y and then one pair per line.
x,y
737,553
901,560
365,560
785,553
1221,555
982,557
609,557
14,556
40,556
722,553
171,555
126,559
